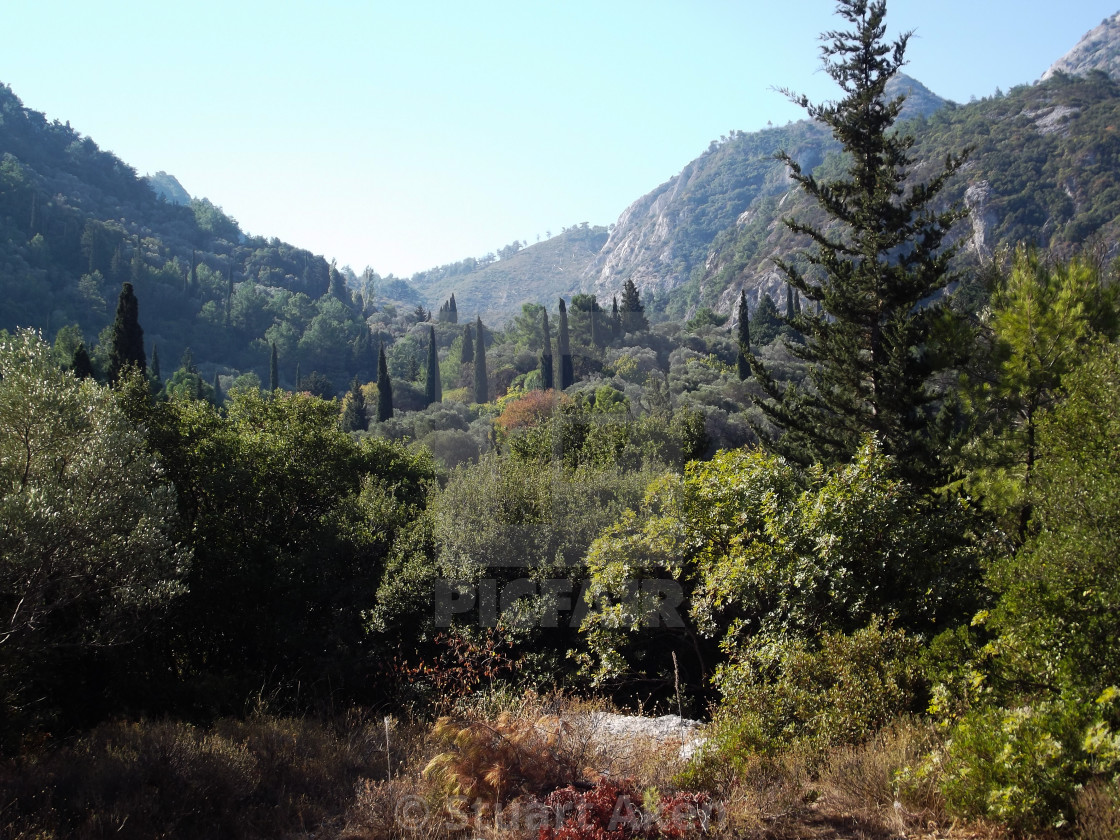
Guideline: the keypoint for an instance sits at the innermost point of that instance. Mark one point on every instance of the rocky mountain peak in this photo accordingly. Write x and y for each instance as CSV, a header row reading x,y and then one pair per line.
x,y
1099,49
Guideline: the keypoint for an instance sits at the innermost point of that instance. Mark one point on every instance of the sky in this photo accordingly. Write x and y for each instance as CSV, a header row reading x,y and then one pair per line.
x,y
410,134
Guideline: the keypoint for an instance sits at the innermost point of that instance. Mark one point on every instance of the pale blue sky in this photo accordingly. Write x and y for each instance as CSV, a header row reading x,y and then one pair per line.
x,y
405,135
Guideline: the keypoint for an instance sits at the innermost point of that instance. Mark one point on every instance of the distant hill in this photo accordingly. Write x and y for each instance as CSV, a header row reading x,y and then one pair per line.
x,y
496,288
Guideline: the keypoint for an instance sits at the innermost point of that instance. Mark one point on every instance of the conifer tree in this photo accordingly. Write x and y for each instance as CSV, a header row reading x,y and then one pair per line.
x,y
155,365
299,379
126,345
873,352
765,323
80,363
546,355
453,312
433,393
466,353
633,313
743,360
616,319
354,414
567,372
481,386
218,396
274,370
336,286
384,387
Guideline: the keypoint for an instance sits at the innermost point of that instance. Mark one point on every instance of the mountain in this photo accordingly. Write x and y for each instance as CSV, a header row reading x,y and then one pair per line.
x,y
76,223
496,288
1099,49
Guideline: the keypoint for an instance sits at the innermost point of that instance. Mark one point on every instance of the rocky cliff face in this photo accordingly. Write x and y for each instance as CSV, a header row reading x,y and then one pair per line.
x,y
666,236
1099,49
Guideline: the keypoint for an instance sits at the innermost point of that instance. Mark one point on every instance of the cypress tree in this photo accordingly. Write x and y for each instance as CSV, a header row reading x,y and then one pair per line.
x,y
546,355
217,386
299,379
567,372
616,320
453,312
80,363
354,415
384,387
274,370
789,304
155,364
481,387
633,313
466,354
743,360
126,344
432,391
873,353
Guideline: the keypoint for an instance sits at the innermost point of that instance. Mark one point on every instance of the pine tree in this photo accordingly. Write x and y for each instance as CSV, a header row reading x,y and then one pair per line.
x,y
873,353
466,354
743,360
546,355
274,370
80,363
765,323
567,372
126,344
354,414
384,388
633,313
481,386
432,391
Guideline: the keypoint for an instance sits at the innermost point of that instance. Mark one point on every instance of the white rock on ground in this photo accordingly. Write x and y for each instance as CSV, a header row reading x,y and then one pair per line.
x,y
623,732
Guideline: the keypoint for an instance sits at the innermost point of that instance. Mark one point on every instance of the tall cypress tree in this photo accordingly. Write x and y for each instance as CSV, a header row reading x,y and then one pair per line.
x,y
432,391
546,355
567,372
466,353
155,365
481,386
218,396
452,310
384,387
616,319
743,360
874,352
274,370
126,344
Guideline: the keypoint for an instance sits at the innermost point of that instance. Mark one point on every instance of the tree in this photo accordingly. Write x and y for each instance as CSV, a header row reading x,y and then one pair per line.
x,y
336,286
765,324
742,360
433,393
616,319
466,353
481,386
274,370
217,397
155,366
88,552
880,257
452,310
354,410
80,364
633,313
546,355
126,343
384,388
567,372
